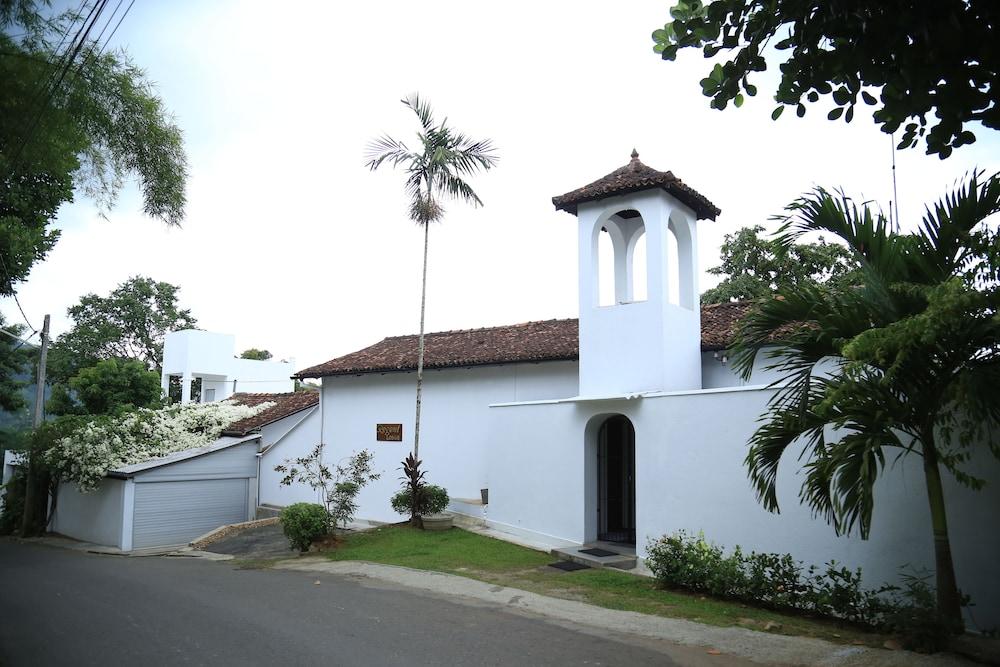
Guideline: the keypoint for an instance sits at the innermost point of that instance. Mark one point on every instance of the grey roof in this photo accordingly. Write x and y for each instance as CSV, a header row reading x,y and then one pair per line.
x,y
222,443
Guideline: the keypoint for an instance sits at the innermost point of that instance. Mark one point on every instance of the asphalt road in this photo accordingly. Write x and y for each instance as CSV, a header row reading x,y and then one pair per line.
x,y
60,607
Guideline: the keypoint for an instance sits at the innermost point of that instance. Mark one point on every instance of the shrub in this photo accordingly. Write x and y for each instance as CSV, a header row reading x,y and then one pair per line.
x,y
13,503
432,500
767,579
916,618
338,486
303,523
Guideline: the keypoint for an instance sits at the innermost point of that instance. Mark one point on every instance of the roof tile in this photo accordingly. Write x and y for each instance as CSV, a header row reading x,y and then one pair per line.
x,y
284,405
633,177
549,340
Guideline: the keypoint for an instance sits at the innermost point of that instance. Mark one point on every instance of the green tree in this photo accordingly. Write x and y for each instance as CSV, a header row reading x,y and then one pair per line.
x,y
756,267
915,347
254,353
108,387
14,363
87,128
435,171
130,323
920,58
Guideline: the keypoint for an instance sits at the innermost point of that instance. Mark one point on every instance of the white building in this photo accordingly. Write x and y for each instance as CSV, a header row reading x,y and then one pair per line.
x,y
191,354
626,424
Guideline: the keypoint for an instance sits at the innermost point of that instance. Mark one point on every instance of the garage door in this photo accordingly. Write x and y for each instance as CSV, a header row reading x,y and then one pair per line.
x,y
168,513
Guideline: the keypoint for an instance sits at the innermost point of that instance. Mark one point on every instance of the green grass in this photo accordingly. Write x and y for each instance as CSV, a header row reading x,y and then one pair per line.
x,y
478,557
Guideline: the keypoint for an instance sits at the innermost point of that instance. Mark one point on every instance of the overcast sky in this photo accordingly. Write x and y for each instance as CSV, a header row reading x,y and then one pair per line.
x,y
292,245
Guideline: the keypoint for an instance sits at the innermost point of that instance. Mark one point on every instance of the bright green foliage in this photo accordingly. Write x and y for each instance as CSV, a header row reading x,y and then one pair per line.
x,y
104,124
254,353
910,60
304,523
915,347
432,499
755,267
775,581
109,387
129,323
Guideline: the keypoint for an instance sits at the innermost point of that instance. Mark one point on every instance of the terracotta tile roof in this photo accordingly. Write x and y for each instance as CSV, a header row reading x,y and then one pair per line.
x,y
633,177
285,405
550,340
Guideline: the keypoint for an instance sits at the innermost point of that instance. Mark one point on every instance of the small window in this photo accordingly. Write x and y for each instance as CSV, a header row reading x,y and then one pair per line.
x,y
209,395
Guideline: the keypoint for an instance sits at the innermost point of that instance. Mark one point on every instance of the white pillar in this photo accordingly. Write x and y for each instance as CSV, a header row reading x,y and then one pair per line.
x,y
185,388
165,384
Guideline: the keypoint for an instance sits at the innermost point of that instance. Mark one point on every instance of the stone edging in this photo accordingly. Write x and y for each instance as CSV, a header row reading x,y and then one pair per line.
x,y
226,531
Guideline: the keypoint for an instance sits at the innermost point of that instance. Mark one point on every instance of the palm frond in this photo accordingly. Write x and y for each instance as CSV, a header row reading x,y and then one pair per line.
x,y
422,109
386,149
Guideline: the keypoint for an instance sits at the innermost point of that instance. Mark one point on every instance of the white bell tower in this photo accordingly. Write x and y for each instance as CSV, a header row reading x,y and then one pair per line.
x,y
633,346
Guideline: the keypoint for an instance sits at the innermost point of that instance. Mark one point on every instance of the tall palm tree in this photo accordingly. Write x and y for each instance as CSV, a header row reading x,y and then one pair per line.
x,y
435,171
915,348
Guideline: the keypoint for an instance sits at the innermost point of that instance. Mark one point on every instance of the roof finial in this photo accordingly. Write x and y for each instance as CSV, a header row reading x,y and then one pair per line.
x,y
635,154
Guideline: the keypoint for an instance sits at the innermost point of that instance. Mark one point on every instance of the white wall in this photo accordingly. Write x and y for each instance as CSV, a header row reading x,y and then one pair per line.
x,y
212,357
92,517
292,437
690,475
454,422
715,374
651,345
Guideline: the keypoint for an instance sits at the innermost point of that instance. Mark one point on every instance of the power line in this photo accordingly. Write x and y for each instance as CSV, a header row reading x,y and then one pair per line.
x,y
49,91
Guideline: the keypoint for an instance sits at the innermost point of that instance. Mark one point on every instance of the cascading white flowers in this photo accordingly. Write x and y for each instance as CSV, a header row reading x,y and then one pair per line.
x,y
88,453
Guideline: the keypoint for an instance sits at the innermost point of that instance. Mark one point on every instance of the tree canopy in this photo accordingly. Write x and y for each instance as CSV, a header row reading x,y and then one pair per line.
x,y
254,353
108,387
930,68
128,324
756,267
14,358
905,362
83,126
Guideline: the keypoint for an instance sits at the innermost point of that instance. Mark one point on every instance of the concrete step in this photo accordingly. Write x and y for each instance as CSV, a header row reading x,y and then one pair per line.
x,y
619,561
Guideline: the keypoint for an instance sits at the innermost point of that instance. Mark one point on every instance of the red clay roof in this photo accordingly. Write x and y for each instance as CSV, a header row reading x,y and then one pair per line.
x,y
633,177
284,405
550,340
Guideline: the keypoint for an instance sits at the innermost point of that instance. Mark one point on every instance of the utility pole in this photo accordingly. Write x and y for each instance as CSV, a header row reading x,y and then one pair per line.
x,y
43,354
35,492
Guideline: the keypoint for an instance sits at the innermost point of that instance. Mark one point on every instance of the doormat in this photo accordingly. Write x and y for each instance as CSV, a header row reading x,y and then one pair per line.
x,y
600,553
568,566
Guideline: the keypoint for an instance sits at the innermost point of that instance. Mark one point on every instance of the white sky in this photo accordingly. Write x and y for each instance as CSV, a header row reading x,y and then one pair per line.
x,y
292,245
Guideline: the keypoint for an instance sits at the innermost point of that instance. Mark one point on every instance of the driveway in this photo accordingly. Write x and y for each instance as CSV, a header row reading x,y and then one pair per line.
x,y
62,607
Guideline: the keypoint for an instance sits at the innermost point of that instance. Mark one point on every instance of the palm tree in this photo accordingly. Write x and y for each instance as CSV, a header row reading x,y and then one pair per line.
x,y
436,171
915,348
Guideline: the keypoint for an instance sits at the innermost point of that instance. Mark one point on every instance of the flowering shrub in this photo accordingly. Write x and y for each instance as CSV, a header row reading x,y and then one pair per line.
x,y
107,443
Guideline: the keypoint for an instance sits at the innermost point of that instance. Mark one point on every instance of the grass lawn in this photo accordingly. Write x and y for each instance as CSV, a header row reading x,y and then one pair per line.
x,y
470,555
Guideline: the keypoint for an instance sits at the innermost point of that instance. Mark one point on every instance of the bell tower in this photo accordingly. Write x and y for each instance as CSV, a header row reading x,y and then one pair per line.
x,y
633,346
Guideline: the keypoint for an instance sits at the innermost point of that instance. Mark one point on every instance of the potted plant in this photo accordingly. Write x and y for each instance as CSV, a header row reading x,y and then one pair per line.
x,y
431,503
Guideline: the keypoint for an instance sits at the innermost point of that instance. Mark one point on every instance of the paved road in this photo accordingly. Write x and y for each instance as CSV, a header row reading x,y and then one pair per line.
x,y
61,607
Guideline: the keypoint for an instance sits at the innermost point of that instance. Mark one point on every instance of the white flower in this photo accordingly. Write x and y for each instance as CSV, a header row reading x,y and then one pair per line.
x,y
86,455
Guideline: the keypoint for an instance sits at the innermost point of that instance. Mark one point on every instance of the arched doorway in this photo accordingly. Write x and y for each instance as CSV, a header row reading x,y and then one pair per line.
x,y
616,480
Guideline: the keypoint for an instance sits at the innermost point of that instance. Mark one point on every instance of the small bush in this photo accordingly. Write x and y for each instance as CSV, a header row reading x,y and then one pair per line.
x,y
304,523
433,499
776,581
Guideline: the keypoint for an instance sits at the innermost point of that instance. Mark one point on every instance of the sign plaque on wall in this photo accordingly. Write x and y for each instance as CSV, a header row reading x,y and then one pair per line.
x,y
389,432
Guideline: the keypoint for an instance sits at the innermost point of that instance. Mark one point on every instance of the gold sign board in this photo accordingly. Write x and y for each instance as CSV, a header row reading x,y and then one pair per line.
x,y
389,432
